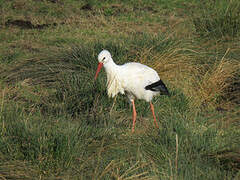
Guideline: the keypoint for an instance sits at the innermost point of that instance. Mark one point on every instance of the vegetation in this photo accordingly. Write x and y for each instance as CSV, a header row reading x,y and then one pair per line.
x,y
57,123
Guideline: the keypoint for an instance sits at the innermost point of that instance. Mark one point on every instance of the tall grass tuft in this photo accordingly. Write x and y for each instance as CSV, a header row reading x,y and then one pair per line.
x,y
216,80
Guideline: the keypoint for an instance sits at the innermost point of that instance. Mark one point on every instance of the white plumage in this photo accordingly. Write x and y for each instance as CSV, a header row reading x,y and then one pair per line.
x,y
133,79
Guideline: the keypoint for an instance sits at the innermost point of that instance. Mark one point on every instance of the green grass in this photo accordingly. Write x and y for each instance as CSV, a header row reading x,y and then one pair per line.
x,y
56,122
218,19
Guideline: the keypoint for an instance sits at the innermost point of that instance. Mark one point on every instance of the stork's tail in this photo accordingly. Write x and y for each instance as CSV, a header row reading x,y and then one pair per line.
x,y
158,86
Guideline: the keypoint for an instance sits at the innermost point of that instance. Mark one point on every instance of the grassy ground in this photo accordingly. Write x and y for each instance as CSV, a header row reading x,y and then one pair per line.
x,y
57,123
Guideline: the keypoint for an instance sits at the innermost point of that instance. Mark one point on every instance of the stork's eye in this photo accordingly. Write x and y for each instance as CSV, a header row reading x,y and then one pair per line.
x,y
104,58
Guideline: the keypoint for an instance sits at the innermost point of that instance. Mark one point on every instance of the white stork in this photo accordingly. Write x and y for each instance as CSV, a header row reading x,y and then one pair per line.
x,y
135,79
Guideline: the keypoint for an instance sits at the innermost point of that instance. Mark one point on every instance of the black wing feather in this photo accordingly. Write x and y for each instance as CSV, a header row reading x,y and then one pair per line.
x,y
158,86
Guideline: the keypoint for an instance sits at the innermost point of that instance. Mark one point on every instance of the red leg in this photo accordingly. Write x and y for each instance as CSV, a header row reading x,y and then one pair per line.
x,y
154,117
134,115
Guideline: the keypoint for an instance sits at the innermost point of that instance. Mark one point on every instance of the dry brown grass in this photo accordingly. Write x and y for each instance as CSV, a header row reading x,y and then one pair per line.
x,y
216,80
204,84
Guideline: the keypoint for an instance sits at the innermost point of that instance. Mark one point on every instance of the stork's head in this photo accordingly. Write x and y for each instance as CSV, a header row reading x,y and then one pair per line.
x,y
103,58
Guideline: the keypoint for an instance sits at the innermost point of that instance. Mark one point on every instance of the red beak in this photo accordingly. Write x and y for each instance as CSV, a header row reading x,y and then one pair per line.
x,y
100,65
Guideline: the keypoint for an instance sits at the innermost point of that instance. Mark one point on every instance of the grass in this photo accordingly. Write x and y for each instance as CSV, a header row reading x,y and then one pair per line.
x,y
57,123
218,19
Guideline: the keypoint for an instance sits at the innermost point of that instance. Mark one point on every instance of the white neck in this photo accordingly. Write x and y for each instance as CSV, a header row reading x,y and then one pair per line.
x,y
114,84
110,67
